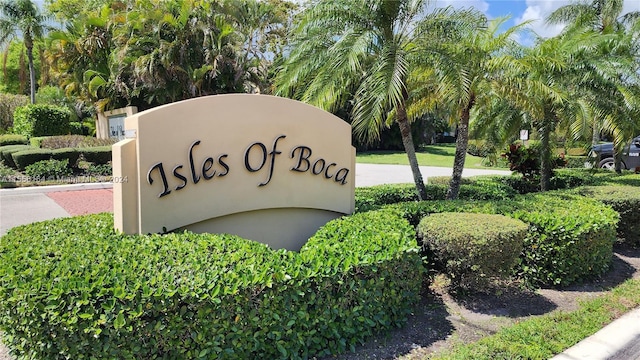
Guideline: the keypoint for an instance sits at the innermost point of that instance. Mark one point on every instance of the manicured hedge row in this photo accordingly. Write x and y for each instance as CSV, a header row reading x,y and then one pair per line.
x,y
570,237
372,197
98,154
24,158
625,200
73,288
6,151
13,139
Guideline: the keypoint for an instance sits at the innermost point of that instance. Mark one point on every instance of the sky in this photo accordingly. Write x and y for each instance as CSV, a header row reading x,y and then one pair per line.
x,y
524,10
518,10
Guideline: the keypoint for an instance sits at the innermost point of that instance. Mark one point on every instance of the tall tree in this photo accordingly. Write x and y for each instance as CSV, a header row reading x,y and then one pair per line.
x,y
22,18
602,16
467,65
363,45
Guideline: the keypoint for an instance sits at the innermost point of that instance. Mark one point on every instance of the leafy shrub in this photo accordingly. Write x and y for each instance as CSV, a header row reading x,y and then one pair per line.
x,y
36,141
48,169
78,128
481,148
74,288
6,151
73,141
525,160
626,201
8,105
570,237
576,162
40,120
13,139
24,158
97,155
99,170
472,248
569,178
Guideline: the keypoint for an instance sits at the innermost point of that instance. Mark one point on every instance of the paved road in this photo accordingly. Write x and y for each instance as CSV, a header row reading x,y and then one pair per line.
x,y
618,341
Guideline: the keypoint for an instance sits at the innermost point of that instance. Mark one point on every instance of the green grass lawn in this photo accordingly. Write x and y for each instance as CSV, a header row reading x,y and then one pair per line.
x,y
430,155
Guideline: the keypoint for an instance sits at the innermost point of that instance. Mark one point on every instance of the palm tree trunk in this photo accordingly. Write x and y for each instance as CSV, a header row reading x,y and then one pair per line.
x,y
595,138
32,71
409,148
461,151
545,155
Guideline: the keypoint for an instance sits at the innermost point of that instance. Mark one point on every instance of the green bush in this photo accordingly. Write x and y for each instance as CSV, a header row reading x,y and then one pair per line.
x,y
372,197
97,155
74,288
41,120
69,154
36,141
625,200
570,178
47,169
78,128
99,170
576,162
472,248
570,237
6,151
24,158
13,139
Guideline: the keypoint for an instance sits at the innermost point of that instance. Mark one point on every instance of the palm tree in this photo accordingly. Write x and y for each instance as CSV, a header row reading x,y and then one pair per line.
x,y
467,69
22,17
362,52
602,16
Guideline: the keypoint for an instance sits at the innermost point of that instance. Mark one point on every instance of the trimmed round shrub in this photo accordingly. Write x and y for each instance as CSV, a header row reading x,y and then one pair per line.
x,y
13,139
74,288
472,248
625,200
48,169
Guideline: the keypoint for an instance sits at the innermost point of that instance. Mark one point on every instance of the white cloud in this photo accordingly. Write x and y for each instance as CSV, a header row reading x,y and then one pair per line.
x,y
538,10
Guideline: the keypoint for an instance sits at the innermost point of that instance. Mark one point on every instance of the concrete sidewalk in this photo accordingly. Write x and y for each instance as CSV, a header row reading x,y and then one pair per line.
x,y
619,340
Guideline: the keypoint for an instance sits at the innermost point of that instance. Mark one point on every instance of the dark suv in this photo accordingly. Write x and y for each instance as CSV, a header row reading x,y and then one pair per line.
x,y
630,155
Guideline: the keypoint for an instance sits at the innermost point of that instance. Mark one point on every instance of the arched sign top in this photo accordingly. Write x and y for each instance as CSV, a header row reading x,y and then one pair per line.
x,y
217,156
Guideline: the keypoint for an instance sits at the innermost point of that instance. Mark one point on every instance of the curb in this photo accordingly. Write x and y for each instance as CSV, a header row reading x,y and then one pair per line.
x,y
609,341
55,188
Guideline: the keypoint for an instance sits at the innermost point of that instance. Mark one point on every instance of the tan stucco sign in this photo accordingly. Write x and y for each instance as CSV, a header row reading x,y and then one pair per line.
x,y
266,168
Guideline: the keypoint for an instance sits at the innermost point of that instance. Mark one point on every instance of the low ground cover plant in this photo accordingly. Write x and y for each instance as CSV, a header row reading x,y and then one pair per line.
x,y
74,288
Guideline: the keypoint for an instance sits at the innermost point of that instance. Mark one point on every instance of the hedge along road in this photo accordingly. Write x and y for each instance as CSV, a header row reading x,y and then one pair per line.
x,y
21,206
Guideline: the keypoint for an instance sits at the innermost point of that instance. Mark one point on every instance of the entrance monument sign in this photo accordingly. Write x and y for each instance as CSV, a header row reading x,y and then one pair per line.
x,y
266,168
